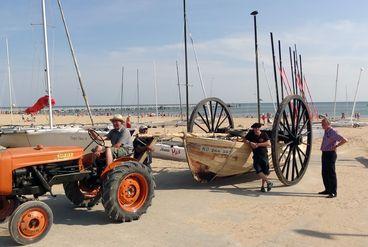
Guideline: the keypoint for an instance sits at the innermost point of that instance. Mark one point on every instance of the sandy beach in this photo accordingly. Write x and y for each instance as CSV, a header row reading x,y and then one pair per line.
x,y
230,211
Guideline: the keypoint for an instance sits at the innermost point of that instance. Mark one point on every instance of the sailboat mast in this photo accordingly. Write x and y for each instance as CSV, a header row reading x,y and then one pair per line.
x,y
9,81
186,62
122,90
337,77
356,94
47,69
155,85
138,104
177,75
75,63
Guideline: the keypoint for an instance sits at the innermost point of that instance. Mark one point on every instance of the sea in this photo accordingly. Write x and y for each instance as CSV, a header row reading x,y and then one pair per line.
x,y
236,109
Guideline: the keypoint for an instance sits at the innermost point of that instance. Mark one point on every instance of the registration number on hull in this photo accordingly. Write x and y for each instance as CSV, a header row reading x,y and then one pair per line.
x,y
215,150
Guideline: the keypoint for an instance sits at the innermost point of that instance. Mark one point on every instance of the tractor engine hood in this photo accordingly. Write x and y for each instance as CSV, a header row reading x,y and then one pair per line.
x,y
26,156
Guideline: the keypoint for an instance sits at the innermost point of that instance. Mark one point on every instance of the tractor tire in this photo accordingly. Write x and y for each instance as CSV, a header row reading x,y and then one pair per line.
x,y
30,222
80,196
128,190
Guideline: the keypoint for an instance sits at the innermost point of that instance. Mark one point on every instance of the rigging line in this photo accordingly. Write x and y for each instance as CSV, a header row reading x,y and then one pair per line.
x,y
268,86
197,62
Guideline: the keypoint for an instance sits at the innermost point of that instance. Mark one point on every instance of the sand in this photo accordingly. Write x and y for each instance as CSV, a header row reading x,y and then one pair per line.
x,y
231,211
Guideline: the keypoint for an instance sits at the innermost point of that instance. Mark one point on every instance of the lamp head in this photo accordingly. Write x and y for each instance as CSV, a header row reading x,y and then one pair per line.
x,y
254,13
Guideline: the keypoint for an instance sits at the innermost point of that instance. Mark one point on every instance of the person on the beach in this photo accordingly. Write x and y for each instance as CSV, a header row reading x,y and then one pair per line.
x,y
141,145
331,141
121,141
259,141
127,123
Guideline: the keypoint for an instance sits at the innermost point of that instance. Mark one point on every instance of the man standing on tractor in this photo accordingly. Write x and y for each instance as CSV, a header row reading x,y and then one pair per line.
x,y
121,141
259,142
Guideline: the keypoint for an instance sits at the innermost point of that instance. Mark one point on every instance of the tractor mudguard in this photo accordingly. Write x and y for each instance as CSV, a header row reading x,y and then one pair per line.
x,y
115,163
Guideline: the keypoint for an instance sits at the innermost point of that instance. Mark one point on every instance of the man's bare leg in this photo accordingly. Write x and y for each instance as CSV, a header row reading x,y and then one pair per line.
x,y
108,156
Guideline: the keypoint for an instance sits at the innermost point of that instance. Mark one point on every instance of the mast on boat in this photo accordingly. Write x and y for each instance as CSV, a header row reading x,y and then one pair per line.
x,y
155,85
9,80
180,105
122,90
47,65
356,94
186,62
337,77
138,103
254,14
75,62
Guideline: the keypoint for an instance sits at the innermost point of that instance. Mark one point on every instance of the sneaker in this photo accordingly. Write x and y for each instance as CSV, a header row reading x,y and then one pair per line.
x,y
269,186
331,196
263,189
325,192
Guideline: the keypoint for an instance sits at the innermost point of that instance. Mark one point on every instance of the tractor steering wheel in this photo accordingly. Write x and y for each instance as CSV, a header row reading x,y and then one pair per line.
x,y
96,137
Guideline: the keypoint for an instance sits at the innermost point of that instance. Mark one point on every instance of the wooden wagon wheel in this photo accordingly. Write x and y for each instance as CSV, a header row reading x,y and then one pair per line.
x,y
211,115
292,139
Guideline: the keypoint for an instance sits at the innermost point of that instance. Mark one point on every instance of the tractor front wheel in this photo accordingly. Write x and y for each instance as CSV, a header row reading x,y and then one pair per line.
x,y
30,222
127,191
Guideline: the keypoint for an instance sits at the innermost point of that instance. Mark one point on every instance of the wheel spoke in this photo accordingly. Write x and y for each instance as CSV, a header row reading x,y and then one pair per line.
x,y
205,112
305,156
300,159
287,124
294,164
214,117
286,161
204,121
200,127
218,120
301,129
283,152
285,128
211,116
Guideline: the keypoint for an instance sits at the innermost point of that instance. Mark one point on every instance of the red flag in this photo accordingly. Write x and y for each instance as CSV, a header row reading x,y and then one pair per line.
x,y
39,105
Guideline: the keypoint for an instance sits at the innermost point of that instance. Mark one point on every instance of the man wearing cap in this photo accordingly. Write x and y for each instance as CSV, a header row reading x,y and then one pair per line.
x,y
141,145
331,141
121,140
259,141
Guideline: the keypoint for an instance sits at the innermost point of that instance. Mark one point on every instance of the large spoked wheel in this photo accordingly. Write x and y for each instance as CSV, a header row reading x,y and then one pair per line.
x,y
292,140
30,222
211,115
128,191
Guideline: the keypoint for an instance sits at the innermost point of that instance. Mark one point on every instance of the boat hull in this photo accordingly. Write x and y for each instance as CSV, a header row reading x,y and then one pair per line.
x,y
209,158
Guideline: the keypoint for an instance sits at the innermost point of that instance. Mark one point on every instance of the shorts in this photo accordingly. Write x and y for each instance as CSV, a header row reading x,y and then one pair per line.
x,y
118,152
260,164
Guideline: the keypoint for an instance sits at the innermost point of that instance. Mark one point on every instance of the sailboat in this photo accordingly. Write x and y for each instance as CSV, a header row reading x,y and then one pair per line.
x,y
20,136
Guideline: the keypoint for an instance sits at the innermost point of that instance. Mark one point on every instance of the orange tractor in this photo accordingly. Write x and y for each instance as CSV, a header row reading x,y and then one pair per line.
x,y
126,186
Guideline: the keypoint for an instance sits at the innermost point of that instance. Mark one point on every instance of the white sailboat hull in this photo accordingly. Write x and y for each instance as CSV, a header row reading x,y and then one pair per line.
x,y
70,136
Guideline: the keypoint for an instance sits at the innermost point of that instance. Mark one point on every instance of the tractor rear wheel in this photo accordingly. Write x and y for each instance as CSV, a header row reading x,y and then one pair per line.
x,y
127,191
82,194
30,222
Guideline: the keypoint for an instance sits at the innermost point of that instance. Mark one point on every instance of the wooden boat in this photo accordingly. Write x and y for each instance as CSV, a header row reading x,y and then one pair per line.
x,y
210,157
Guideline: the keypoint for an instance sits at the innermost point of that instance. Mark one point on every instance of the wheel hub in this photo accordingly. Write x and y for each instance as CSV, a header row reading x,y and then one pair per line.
x,y
32,223
133,192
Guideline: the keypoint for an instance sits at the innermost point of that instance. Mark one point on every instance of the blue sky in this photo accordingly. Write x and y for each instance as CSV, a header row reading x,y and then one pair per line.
x,y
110,34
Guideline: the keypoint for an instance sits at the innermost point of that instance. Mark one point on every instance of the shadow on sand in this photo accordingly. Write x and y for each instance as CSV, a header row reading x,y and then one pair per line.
x,y
327,235
244,185
362,160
